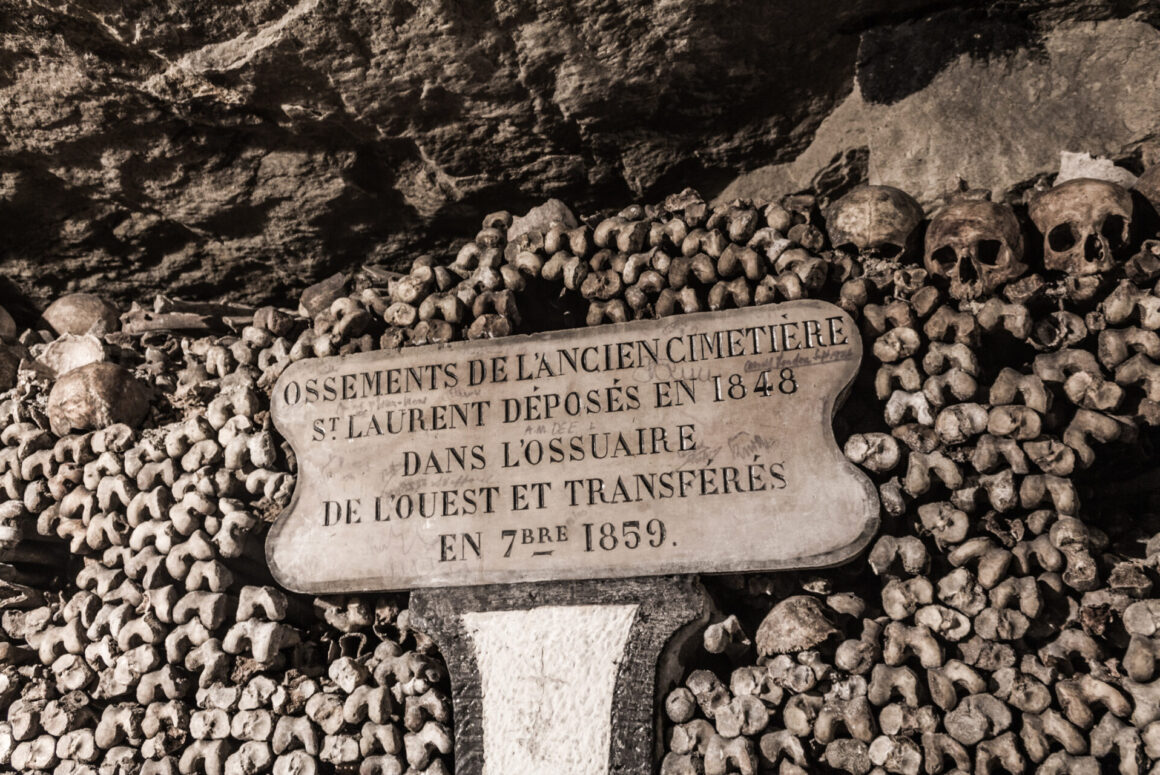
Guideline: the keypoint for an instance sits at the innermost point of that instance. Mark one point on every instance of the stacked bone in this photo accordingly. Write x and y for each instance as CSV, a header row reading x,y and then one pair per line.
x,y
139,471
1002,621
1007,623
473,297
655,261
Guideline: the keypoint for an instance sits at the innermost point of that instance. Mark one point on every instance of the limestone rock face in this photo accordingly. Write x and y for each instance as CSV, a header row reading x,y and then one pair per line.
x,y
96,396
252,148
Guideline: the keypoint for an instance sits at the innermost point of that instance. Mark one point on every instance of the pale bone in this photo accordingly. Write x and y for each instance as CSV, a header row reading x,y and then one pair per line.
x,y
120,723
939,746
901,640
212,662
947,324
781,745
945,622
1046,556
918,479
897,344
905,553
1112,734
422,747
959,423
745,715
896,718
948,524
849,755
250,758
1020,690
854,715
992,451
1085,224
1002,751
903,376
956,382
211,608
1038,727
691,737
977,717
708,690
991,560
724,755
877,452
380,738
377,704
168,682
204,755
960,590
1130,304
886,682
900,599
1076,696
876,221
903,404
896,754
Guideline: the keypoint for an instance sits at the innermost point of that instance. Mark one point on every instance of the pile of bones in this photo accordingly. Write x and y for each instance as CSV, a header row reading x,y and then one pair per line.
x,y
1002,621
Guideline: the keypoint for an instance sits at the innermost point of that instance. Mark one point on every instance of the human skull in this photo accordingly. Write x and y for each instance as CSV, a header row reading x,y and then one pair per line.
x,y
976,245
874,222
1085,224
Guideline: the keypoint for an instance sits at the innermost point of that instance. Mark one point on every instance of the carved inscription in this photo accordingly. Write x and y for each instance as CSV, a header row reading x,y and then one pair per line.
x,y
695,444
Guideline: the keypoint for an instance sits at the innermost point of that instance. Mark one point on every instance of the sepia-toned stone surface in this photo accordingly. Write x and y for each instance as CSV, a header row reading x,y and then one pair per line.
x,y
255,147
699,443
987,120
547,676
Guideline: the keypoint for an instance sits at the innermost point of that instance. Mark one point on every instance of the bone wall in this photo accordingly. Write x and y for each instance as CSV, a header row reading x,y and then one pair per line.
x,y
1006,408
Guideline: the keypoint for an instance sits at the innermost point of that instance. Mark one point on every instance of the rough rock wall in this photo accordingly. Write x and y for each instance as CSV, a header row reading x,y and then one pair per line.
x,y
246,149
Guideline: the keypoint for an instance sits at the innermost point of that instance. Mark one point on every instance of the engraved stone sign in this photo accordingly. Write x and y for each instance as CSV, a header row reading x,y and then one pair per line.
x,y
693,444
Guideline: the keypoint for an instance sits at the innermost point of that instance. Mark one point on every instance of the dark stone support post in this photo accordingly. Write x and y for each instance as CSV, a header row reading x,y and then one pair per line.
x,y
560,677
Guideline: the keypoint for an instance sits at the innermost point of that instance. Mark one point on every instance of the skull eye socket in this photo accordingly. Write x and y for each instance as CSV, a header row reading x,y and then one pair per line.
x,y
945,257
1061,238
1113,231
989,251
887,250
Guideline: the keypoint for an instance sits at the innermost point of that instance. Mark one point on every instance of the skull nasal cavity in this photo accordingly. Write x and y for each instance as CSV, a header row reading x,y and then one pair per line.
x,y
1093,248
1061,238
989,251
967,271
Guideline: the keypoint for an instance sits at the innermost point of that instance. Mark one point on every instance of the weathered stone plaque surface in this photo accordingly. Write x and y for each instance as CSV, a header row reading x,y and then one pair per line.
x,y
698,443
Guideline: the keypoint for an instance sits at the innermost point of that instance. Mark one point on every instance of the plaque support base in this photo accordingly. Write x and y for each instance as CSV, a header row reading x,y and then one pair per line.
x,y
560,677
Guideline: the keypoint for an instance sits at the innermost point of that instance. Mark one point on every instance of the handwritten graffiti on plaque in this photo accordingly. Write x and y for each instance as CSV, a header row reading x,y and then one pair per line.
x,y
693,444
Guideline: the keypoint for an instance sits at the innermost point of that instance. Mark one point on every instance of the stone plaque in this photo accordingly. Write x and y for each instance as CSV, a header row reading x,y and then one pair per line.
x,y
694,444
